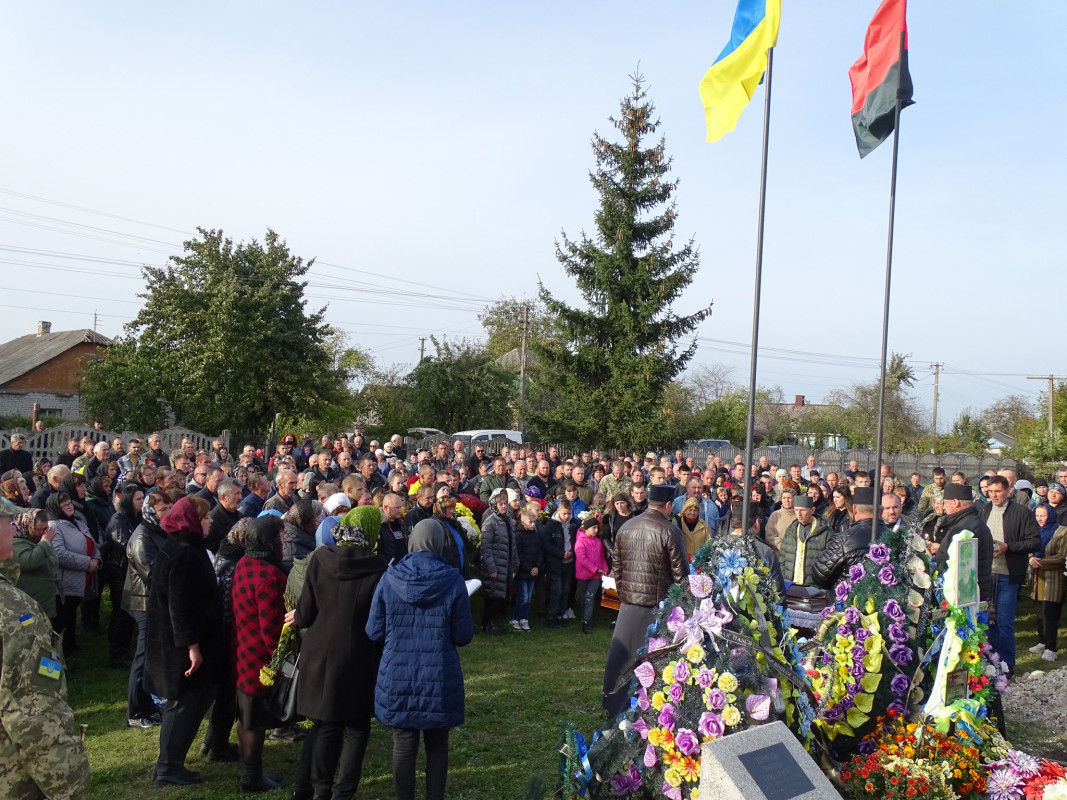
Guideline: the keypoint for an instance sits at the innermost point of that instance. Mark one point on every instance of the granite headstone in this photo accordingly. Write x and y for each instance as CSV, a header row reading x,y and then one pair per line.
x,y
765,762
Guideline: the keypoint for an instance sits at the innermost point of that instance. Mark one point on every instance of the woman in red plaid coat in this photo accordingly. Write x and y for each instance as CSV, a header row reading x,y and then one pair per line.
x,y
258,613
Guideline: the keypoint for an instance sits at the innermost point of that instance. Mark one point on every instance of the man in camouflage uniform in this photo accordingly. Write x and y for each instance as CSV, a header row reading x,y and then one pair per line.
x,y
41,754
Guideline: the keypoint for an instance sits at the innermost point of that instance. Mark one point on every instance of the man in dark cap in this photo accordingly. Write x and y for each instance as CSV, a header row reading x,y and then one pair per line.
x,y
961,515
649,556
803,542
850,545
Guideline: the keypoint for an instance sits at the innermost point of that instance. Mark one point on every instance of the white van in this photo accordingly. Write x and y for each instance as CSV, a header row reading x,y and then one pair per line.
x,y
487,435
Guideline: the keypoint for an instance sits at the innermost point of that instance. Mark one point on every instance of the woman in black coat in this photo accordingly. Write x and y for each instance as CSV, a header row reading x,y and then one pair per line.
x,y
186,648
117,535
338,663
298,538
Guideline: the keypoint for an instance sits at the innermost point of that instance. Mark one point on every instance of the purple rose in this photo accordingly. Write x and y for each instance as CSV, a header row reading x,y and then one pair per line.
x,y
901,654
897,706
681,671
856,573
687,741
866,746
844,631
826,612
897,633
834,713
711,725
886,576
705,678
827,659
627,782
666,716
858,653
879,553
675,693
841,590
716,699
900,684
857,671
851,686
657,643
641,727
893,610
852,615
862,635
847,702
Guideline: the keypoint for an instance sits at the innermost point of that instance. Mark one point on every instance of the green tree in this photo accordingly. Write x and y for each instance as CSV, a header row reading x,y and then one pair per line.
x,y
502,322
460,387
904,424
383,404
1008,414
615,357
223,341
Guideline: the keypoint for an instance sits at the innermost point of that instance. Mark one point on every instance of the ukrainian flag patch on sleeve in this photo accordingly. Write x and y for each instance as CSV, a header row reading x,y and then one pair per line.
x,y
26,619
50,668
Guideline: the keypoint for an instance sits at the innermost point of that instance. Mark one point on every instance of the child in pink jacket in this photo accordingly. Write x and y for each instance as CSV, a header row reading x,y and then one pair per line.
x,y
589,565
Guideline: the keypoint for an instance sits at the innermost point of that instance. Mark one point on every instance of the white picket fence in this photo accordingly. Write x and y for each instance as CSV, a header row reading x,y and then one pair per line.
x,y
52,442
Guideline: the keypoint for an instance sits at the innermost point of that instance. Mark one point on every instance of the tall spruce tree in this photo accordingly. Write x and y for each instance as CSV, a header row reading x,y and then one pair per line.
x,y
603,382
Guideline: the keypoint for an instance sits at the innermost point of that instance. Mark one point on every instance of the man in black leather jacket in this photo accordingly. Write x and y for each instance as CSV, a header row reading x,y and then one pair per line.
x,y
649,556
848,547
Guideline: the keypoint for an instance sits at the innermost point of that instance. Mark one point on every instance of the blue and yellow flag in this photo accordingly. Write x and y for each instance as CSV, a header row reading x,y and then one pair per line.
x,y
730,82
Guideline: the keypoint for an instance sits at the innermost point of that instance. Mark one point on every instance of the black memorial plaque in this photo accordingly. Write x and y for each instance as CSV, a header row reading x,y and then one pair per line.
x,y
776,772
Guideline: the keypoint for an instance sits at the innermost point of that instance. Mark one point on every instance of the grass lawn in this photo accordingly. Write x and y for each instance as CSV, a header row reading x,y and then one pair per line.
x,y
521,688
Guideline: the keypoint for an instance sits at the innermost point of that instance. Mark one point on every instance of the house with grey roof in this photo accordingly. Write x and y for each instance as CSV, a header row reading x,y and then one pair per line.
x,y
45,368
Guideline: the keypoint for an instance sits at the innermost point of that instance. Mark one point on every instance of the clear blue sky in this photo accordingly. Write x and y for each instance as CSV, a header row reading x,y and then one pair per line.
x,y
442,148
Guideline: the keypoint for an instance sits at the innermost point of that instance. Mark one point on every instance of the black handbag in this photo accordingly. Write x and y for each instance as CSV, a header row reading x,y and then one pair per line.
x,y
281,702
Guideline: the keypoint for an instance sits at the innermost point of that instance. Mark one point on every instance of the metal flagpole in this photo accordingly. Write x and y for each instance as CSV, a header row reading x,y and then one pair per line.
x,y
885,316
746,482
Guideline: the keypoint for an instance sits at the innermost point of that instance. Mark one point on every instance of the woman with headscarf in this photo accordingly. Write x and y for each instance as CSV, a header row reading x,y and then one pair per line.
x,y
298,538
39,576
1049,584
216,745
695,531
500,559
258,614
338,662
113,554
79,561
142,549
40,470
13,493
444,511
422,612
185,652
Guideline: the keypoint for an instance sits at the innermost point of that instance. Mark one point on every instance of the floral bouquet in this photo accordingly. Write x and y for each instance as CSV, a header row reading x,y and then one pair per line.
x,y
901,759
720,658
1022,777
868,662
288,646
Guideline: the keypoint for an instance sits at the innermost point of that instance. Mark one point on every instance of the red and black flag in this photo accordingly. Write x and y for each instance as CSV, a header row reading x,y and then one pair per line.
x,y
880,77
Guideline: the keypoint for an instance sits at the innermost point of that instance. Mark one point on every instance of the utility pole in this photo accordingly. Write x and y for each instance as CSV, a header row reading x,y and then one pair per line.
x,y
1051,393
937,373
522,361
422,348
94,320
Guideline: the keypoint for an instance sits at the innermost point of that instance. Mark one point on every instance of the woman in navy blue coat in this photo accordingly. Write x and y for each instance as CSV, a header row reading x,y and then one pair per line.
x,y
422,611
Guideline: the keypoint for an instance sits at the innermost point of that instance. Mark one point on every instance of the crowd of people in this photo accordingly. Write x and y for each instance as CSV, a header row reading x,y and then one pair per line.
x,y
367,549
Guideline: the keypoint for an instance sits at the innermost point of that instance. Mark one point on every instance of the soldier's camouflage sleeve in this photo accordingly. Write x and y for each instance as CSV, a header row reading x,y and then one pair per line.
x,y
40,747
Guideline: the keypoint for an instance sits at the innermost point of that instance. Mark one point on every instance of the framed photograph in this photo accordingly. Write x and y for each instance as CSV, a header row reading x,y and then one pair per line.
x,y
964,552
